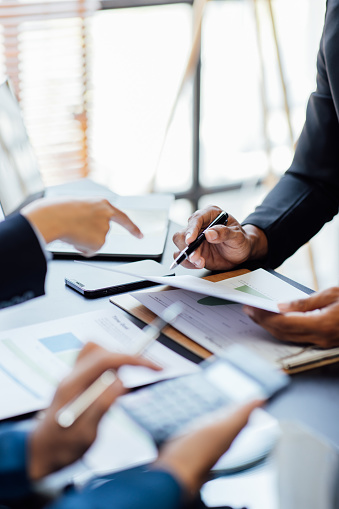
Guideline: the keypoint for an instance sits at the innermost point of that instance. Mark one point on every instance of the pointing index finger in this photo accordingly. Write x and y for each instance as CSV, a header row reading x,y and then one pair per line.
x,y
121,218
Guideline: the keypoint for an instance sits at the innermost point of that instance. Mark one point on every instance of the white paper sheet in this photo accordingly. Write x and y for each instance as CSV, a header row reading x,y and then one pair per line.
x,y
216,324
259,288
120,444
33,359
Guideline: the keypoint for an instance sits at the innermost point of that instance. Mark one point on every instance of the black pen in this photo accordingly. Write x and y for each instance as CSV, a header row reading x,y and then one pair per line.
x,y
222,218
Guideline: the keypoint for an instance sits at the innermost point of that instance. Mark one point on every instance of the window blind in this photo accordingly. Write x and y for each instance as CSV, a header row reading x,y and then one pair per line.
x,y
45,50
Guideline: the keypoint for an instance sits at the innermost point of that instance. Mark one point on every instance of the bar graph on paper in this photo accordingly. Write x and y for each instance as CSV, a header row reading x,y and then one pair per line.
x,y
34,359
34,371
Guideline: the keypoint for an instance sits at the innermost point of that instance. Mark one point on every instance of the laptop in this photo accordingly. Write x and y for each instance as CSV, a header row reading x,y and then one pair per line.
x,y
21,183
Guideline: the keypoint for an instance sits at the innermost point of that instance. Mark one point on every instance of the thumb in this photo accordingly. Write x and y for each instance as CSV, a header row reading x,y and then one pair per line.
x,y
233,423
217,234
315,301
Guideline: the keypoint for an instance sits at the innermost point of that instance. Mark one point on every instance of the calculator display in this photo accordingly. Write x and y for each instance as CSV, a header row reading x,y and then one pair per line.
x,y
235,384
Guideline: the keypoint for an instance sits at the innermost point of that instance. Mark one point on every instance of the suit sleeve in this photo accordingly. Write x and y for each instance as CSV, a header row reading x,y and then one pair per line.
x,y
307,196
136,488
14,483
22,261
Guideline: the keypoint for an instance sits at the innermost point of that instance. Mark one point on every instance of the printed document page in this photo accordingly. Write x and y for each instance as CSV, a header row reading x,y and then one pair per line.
x,y
259,288
216,324
34,359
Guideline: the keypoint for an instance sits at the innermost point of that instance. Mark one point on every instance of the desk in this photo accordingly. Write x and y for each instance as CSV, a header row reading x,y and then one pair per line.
x,y
312,398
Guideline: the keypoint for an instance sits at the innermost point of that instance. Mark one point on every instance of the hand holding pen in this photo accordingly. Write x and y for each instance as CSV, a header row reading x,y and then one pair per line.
x,y
193,245
225,246
52,446
69,413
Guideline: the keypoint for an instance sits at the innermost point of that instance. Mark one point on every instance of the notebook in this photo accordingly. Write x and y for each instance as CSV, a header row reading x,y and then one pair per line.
x,y
21,183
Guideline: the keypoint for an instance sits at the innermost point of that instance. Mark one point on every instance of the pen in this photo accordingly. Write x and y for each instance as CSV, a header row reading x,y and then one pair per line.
x,y
222,218
70,412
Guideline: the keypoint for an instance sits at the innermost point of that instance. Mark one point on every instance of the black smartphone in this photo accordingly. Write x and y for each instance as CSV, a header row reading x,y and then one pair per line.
x,y
94,281
171,407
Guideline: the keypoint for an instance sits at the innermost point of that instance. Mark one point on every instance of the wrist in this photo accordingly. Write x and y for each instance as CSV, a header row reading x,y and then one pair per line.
x,y
180,474
35,467
46,220
258,242
43,458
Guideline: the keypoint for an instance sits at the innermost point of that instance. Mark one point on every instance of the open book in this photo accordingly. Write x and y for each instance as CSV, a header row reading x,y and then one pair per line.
x,y
215,323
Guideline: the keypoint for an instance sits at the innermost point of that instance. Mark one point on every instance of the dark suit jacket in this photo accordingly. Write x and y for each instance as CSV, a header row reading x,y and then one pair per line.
x,y
308,194
22,262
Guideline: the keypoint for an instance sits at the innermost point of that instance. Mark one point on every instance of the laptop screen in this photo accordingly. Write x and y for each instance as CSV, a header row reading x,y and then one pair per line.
x,y
20,179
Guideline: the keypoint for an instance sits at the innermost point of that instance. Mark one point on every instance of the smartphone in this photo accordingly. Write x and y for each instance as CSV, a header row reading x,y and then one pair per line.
x,y
168,408
94,281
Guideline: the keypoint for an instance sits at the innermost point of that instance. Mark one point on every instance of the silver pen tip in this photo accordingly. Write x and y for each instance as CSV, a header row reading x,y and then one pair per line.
x,y
174,264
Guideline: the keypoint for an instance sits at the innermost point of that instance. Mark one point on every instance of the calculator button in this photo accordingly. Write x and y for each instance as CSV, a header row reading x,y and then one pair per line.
x,y
166,407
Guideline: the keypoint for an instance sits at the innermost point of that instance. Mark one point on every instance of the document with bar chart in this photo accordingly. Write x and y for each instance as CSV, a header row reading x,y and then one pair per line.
x,y
34,359
259,288
216,323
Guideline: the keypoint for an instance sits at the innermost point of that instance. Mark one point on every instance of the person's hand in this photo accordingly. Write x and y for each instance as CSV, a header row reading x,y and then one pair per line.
x,y
52,447
313,320
83,223
225,246
190,457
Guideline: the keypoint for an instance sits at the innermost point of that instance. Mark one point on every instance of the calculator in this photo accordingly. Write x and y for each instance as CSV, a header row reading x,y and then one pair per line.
x,y
168,408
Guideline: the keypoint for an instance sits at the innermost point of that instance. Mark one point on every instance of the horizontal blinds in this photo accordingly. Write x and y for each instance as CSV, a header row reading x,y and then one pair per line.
x,y
45,50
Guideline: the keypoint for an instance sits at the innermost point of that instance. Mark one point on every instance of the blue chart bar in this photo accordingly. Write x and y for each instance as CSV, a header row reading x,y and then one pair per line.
x,y
61,342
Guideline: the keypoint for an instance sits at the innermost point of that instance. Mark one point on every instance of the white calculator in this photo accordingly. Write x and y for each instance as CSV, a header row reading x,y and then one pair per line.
x,y
166,408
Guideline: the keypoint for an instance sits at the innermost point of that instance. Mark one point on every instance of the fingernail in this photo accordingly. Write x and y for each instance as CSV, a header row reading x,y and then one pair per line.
x,y
198,263
188,236
284,306
140,235
248,310
212,235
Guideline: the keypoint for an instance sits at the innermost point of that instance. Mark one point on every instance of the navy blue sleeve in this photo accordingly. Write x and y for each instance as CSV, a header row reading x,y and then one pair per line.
x,y
136,488
14,483
307,196
22,261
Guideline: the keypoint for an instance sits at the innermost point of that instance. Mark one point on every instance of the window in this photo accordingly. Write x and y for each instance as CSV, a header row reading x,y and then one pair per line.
x,y
45,48
97,82
232,143
139,58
